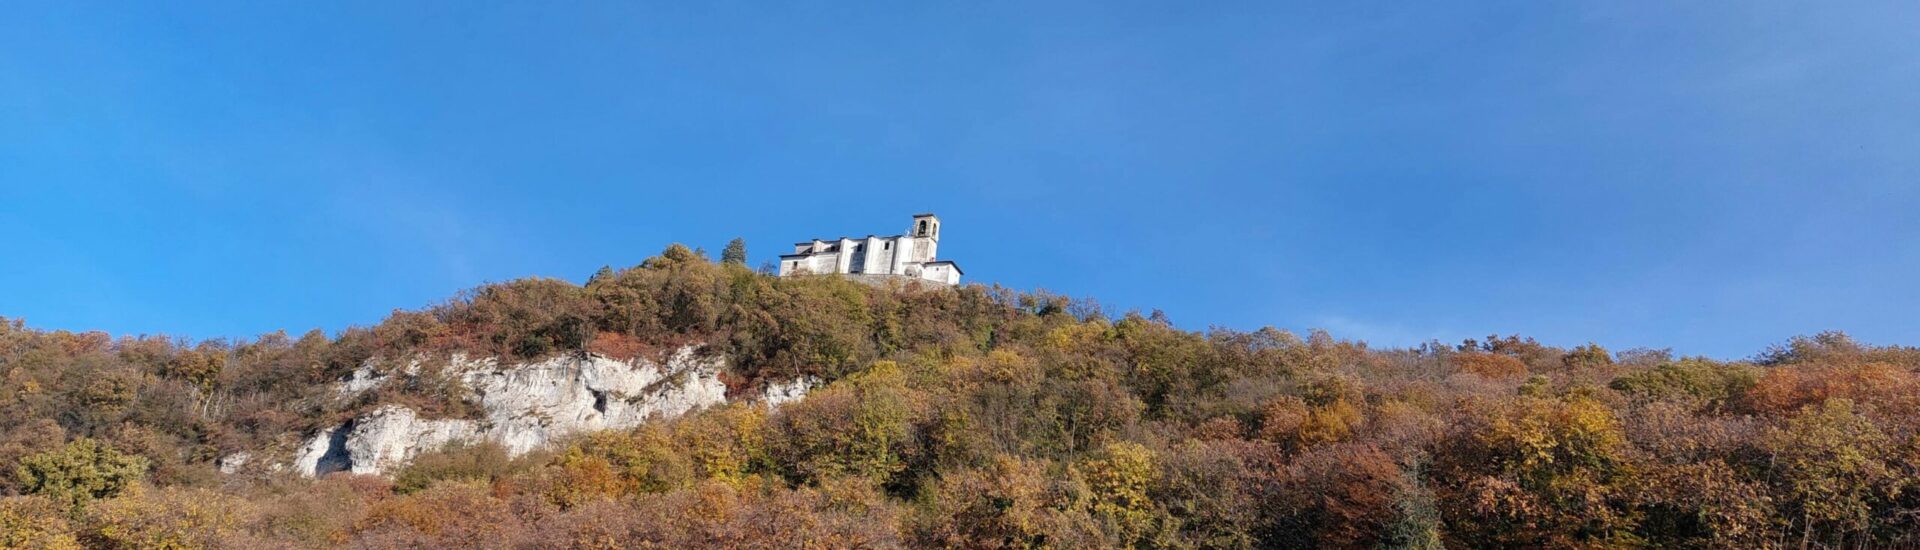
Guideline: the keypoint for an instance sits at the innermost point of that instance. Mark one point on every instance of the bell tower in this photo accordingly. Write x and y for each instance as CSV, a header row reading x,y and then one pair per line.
x,y
926,226
925,234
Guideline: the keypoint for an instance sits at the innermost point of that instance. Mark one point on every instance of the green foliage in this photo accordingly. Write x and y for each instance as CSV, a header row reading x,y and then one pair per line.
x,y
83,471
1537,386
1416,520
479,462
1589,356
1710,382
861,427
1830,460
600,276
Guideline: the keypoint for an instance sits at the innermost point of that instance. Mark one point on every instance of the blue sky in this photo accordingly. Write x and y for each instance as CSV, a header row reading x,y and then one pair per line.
x,y
1707,176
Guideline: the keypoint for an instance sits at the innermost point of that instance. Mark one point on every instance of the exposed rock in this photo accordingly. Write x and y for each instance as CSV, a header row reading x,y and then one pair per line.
x,y
365,378
778,393
388,437
233,462
524,407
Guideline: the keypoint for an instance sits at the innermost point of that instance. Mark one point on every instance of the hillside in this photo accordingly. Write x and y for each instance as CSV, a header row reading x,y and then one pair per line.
x,y
687,403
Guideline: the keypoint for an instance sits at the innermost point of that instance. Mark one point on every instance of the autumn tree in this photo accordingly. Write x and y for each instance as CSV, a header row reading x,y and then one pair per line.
x,y
1830,462
1343,496
610,465
1117,481
486,461
1540,472
35,523
1489,365
173,517
1706,504
201,368
969,417
1007,504
447,515
863,426
1586,357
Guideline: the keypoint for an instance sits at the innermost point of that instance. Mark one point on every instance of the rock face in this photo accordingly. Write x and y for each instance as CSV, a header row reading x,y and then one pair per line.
x,y
525,406
778,393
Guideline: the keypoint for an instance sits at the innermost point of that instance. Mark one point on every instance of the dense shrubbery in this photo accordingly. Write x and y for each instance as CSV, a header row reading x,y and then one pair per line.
x,y
972,417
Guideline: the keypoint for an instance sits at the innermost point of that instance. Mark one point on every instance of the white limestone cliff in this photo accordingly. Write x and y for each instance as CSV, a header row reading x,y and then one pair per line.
x,y
524,407
778,393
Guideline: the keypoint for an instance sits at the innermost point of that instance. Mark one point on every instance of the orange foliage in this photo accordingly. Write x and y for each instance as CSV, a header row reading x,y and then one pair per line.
x,y
1488,365
618,345
1786,389
1282,419
1224,427
448,515
1005,504
1292,423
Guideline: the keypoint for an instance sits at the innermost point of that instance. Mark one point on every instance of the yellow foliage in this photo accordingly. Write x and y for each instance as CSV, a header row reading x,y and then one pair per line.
x,y
581,479
1008,367
1832,459
1119,479
1331,423
1563,469
1292,423
1571,433
35,523
165,519
612,464
724,444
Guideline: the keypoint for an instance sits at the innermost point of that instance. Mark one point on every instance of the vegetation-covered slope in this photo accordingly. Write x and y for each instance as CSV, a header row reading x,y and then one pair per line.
x,y
972,417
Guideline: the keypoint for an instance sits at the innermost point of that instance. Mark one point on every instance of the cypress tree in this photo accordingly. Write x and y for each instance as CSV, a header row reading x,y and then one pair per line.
x,y
735,253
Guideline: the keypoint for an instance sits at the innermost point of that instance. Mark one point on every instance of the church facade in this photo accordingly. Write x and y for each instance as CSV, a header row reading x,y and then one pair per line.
x,y
910,255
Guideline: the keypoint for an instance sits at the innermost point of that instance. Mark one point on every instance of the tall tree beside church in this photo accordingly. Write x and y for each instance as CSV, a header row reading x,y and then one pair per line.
x,y
735,253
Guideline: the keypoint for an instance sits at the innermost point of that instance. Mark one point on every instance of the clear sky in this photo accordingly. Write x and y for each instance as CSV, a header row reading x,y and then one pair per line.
x,y
1707,176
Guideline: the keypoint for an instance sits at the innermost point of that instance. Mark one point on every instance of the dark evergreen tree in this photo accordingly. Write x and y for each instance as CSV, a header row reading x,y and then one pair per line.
x,y
603,275
736,252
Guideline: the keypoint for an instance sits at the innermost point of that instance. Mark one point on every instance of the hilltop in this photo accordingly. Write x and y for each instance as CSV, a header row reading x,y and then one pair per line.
x,y
684,402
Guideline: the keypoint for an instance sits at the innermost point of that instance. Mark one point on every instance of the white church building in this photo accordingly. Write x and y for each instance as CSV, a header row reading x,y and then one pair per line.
x,y
910,255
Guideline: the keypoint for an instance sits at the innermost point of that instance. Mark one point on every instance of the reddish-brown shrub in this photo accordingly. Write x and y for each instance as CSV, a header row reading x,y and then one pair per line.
x,y
1786,389
448,515
1488,365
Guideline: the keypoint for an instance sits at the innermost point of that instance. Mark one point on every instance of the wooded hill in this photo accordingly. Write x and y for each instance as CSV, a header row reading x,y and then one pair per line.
x,y
972,417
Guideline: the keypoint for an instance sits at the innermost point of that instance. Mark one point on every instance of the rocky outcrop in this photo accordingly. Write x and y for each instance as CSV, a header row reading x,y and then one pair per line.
x,y
778,393
525,406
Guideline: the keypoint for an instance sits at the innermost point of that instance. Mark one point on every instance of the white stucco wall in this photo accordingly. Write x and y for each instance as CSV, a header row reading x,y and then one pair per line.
x,y
941,272
903,255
